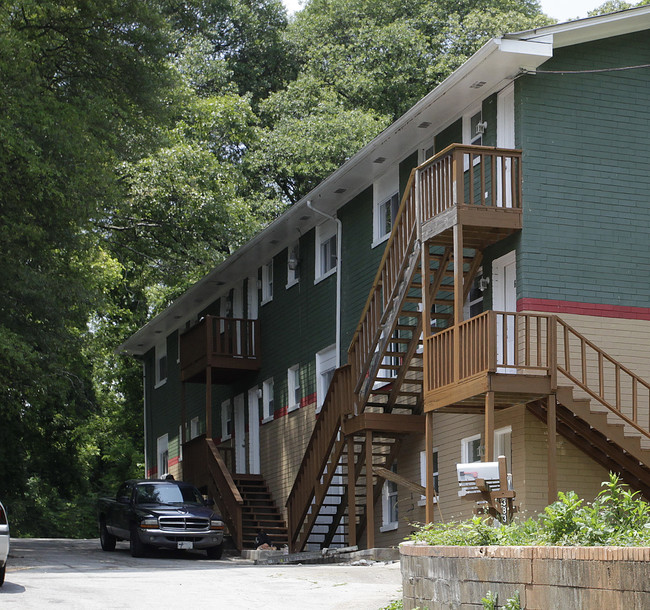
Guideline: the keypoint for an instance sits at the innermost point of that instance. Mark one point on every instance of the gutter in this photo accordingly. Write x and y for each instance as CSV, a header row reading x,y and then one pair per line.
x,y
339,234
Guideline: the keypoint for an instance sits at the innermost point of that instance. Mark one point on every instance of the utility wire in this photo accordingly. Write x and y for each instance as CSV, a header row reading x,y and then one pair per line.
x,y
593,71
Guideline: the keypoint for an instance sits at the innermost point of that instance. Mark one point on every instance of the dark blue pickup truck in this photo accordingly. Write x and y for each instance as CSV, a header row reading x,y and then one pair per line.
x,y
166,514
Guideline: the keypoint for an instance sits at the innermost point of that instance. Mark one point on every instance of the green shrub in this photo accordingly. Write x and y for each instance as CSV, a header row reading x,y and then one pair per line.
x,y
617,517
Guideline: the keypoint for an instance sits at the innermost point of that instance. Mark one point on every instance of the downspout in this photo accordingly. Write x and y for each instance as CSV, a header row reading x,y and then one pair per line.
x,y
144,402
339,234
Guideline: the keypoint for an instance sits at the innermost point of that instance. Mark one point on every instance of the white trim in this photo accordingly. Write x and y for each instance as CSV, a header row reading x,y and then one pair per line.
x,y
254,461
325,362
160,352
384,188
162,449
324,233
293,278
239,414
195,429
267,282
268,400
389,524
423,476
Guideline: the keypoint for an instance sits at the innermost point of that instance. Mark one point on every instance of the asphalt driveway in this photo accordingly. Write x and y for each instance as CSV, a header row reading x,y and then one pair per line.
x,y
77,574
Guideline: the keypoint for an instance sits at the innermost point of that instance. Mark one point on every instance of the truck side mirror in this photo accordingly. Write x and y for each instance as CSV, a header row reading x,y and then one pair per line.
x,y
209,502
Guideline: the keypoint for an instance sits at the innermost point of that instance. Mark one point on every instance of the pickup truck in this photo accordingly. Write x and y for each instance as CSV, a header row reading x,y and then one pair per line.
x,y
160,513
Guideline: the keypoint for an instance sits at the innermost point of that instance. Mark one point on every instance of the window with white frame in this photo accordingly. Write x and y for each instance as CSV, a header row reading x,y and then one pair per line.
x,y
503,445
325,367
326,249
473,128
194,427
471,449
267,401
226,420
293,265
267,282
390,513
162,453
474,304
423,475
293,381
385,195
161,363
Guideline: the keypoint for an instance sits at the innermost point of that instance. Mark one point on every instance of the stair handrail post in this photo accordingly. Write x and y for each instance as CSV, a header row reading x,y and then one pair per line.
x,y
492,341
552,351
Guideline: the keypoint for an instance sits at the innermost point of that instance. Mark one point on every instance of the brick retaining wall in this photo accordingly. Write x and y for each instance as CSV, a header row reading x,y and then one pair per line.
x,y
547,578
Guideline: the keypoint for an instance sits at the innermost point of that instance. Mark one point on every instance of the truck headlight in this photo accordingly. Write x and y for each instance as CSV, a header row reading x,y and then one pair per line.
x,y
216,524
149,523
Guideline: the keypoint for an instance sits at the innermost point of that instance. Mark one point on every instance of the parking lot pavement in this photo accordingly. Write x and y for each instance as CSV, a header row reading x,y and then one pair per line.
x,y
77,574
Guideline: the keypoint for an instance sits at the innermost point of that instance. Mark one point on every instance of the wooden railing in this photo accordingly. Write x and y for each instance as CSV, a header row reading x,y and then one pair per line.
x,y
488,343
216,337
325,445
603,378
457,176
203,465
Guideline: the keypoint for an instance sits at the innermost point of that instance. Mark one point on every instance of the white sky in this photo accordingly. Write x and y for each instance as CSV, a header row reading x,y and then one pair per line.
x,y
562,10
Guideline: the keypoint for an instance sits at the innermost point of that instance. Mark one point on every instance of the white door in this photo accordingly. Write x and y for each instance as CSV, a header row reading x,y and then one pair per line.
x,y
505,139
253,431
240,434
504,298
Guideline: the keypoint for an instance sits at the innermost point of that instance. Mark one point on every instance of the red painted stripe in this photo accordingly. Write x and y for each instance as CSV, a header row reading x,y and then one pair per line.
x,y
280,412
308,400
152,472
584,309
172,462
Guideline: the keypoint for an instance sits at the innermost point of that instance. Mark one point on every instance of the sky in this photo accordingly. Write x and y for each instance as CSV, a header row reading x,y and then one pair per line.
x,y
562,10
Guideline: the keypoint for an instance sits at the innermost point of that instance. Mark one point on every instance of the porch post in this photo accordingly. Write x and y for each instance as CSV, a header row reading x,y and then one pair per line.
x,y
352,503
551,425
428,443
208,402
370,496
458,295
488,453
183,414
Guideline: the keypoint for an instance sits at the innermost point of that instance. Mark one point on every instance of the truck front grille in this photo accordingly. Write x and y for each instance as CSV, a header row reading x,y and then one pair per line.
x,y
193,524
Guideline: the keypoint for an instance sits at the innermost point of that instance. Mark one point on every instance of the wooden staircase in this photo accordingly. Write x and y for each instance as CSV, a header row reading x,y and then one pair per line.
x,y
259,512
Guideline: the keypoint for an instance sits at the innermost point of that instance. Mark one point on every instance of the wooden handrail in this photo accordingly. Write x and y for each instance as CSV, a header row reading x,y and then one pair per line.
x,y
225,492
310,483
608,376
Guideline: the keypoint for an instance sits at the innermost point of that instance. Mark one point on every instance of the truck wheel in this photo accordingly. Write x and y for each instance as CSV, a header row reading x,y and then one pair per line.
x,y
136,546
2,574
106,539
215,552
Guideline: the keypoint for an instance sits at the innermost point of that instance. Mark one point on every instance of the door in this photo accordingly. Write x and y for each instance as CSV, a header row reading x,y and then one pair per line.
x,y
238,314
253,431
240,435
505,139
504,298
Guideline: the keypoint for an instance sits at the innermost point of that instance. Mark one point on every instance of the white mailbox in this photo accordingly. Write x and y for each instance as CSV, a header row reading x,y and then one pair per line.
x,y
468,473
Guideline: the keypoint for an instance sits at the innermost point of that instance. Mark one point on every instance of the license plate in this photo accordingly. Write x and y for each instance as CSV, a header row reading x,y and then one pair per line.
x,y
185,544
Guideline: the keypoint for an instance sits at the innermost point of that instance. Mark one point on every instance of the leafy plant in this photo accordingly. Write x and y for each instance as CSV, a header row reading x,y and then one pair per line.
x,y
490,601
513,603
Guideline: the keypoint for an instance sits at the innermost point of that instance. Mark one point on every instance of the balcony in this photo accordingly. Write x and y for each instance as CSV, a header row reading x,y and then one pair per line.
x,y
227,347
510,354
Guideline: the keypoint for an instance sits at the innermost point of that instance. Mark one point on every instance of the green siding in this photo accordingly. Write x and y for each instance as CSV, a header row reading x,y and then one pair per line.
x,y
586,181
450,135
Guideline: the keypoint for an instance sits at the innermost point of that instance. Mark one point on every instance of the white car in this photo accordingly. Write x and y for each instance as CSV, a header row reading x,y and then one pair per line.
x,y
4,542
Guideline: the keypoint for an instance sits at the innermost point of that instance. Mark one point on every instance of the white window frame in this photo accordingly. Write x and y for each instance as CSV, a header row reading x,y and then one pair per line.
x,y
465,445
294,387
226,418
389,491
384,188
325,367
293,275
423,476
324,234
162,454
159,355
268,400
468,136
267,282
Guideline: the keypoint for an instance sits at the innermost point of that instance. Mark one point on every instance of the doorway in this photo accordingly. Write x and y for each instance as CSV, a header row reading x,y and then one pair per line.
x,y
504,299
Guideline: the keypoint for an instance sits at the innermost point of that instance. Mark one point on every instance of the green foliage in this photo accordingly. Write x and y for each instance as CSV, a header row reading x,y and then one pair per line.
x,y
513,603
617,517
490,601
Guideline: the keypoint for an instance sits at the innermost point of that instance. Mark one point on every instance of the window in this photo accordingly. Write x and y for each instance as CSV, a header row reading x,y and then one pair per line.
x,y
471,449
387,213
226,420
162,452
385,195
267,401
474,303
423,475
325,367
194,427
293,265
326,249
389,504
503,445
473,128
267,282
161,364
293,379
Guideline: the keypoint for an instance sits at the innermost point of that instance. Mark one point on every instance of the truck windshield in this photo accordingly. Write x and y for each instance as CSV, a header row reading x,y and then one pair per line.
x,y
156,493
